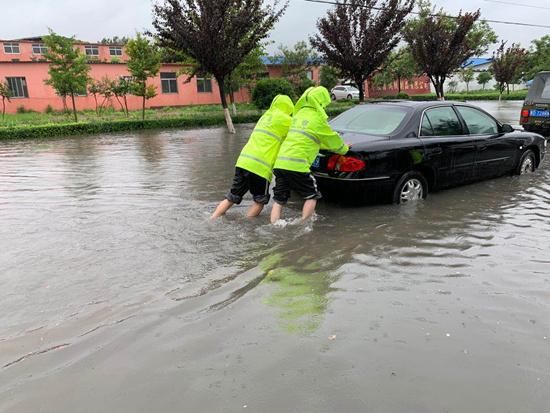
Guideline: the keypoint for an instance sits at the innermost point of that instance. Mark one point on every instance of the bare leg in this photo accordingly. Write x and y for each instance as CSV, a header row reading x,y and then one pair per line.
x,y
222,209
255,210
308,209
276,212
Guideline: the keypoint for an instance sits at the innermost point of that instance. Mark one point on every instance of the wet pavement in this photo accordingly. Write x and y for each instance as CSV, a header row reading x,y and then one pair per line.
x,y
119,295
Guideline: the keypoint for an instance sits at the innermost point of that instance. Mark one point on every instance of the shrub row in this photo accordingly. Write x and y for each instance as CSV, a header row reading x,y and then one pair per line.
x,y
519,95
88,128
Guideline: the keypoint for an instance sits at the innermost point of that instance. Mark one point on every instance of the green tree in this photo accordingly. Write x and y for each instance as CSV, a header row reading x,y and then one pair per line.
x,y
218,35
539,57
115,40
453,84
5,94
357,36
68,68
466,75
266,90
143,63
440,44
95,91
483,78
121,89
400,66
297,62
329,76
246,74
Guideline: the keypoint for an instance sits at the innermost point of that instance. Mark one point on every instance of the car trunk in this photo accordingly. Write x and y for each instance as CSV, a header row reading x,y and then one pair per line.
x,y
536,109
359,150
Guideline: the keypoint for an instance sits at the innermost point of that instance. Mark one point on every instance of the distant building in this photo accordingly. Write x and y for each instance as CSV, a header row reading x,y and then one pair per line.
x,y
478,65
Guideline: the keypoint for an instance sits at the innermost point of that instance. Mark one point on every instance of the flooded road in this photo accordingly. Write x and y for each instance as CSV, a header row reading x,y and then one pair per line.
x,y
118,295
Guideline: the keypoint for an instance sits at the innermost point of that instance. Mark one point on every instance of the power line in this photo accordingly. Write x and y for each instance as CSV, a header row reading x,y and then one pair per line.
x,y
518,4
435,15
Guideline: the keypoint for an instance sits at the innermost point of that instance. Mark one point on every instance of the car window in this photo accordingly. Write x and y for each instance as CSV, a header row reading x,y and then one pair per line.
x,y
546,91
339,88
478,123
371,119
444,121
426,127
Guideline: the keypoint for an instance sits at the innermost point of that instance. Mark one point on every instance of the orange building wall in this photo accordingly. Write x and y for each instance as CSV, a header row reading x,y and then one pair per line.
x,y
419,85
42,95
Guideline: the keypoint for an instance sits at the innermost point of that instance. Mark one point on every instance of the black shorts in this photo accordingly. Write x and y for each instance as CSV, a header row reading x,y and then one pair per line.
x,y
302,182
245,181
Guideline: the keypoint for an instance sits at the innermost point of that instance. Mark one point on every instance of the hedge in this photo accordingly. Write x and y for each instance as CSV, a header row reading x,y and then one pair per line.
x,y
89,128
520,95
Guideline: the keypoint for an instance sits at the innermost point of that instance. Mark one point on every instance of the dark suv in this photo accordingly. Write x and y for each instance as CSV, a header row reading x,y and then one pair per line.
x,y
535,114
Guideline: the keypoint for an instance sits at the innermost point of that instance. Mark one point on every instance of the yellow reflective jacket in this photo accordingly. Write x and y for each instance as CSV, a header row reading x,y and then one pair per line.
x,y
309,133
260,152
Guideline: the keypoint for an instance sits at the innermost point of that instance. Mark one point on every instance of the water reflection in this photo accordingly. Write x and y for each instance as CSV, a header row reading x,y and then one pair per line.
x,y
301,291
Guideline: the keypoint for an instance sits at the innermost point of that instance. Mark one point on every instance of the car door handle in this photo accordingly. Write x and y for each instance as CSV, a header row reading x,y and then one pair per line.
x,y
436,151
482,148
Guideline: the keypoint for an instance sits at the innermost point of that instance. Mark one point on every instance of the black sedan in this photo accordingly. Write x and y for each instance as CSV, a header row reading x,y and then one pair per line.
x,y
402,150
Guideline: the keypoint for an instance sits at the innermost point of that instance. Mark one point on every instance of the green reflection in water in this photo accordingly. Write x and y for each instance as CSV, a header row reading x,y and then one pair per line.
x,y
301,292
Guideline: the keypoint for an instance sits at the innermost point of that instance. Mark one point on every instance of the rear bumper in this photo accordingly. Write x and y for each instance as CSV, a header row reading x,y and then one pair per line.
x,y
378,189
542,129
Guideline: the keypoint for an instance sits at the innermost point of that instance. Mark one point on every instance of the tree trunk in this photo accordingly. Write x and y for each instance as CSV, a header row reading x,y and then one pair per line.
x,y
228,120
143,108
232,100
65,108
467,87
507,88
74,107
3,108
398,85
126,106
120,103
96,107
360,85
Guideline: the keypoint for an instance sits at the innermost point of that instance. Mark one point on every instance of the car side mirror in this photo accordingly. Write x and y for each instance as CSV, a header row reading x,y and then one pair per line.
x,y
507,128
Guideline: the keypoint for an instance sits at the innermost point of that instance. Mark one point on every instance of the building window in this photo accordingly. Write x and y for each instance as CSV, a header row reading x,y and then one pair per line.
x,y
169,82
204,85
309,74
92,51
115,50
18,87
11,48
39,48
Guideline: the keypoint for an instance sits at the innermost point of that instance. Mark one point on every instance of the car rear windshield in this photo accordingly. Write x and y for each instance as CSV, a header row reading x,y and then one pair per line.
x,y
540,88
371,119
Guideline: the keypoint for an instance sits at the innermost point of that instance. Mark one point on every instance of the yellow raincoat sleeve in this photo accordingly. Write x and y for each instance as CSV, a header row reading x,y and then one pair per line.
x,y
330,140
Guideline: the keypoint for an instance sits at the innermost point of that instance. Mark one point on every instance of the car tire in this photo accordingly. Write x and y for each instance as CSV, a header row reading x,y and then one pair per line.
x,y
333,96
349,97
411,187
527,163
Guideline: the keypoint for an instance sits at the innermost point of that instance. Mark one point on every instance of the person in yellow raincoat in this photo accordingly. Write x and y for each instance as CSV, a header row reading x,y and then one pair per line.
x,y
308,133
254,168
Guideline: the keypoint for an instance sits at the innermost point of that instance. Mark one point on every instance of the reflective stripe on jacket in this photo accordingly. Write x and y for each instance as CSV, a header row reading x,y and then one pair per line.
x,y
260,152
309,133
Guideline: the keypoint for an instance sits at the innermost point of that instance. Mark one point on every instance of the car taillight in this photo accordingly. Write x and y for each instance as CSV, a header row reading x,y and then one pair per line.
x,y
345,164
524,116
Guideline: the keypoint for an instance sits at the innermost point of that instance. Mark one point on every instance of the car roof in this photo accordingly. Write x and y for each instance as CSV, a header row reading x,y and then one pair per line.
x,y
418,104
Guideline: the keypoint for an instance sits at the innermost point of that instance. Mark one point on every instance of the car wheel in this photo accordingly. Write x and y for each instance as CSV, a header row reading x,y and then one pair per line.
x,y
350,97
411,187
333,96
527,163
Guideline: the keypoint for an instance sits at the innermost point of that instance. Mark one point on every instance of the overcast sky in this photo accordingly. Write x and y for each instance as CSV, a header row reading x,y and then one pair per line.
x,y
95,19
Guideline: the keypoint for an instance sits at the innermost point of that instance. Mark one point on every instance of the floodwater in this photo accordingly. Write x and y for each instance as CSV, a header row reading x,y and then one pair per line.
x,y
118,295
